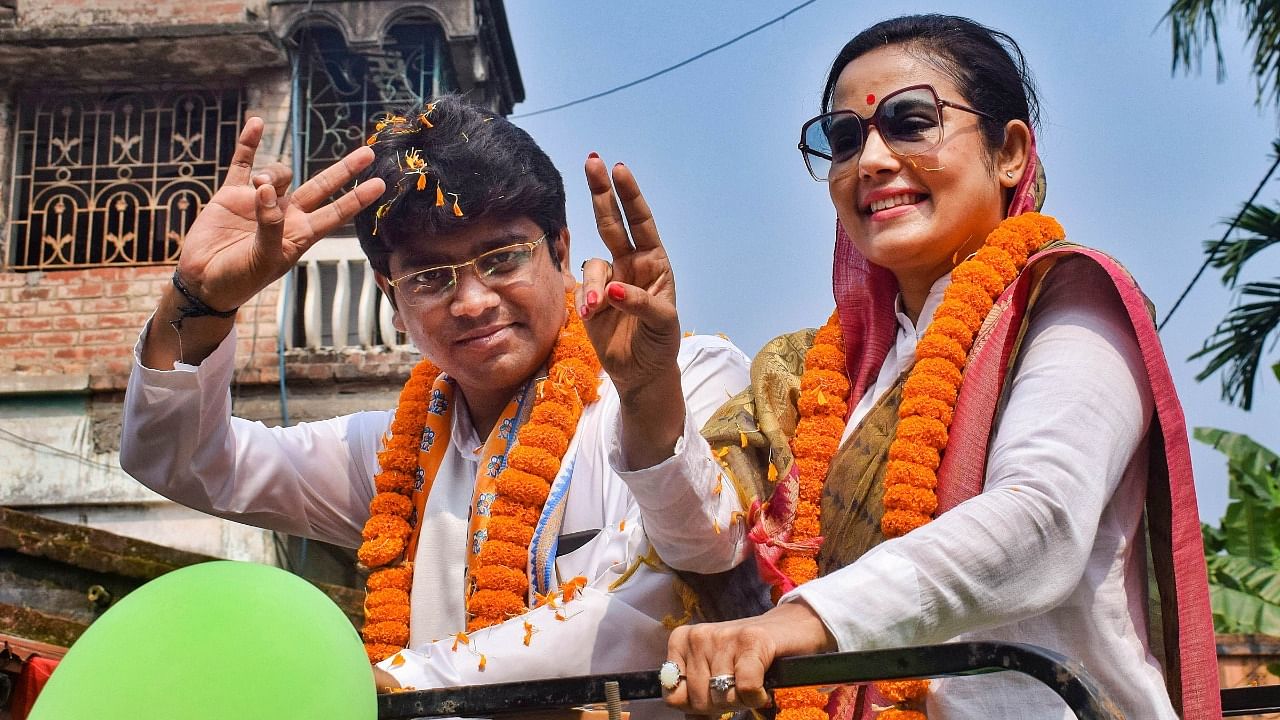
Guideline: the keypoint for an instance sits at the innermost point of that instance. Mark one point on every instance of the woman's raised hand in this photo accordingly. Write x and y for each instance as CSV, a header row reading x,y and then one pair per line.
x,y
629,305
252,230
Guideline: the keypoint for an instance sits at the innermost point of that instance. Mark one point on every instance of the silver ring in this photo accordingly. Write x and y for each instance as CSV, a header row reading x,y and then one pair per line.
x,y
722,683
669,676
606,262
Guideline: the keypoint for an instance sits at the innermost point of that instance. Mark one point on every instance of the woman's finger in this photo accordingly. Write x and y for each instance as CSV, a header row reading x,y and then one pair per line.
x,y
613,231
644,232
596,274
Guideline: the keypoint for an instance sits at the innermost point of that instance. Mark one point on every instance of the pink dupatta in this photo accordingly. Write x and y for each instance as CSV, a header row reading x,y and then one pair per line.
x,y
865,295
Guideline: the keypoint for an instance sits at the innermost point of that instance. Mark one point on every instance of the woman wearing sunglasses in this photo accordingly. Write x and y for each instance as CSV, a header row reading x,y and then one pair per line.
x,y
982,443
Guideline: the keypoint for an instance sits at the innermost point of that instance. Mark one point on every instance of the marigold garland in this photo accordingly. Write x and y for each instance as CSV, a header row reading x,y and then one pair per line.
x,y
925,414
500,570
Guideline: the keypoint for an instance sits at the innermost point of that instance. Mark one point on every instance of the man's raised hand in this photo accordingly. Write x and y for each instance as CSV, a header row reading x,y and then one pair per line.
x,y
252,230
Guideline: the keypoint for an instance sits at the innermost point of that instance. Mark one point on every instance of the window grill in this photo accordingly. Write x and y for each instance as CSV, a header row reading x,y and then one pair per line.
x,y
115,177
345,92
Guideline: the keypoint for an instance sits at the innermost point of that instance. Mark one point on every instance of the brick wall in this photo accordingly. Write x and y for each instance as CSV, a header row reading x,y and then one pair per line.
x,y
85,322
61,13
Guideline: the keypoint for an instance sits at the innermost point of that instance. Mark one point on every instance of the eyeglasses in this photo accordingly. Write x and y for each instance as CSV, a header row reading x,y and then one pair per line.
x,y
909,121
495,268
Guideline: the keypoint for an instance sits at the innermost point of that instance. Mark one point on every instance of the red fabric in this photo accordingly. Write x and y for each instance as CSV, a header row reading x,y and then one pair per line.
x,y
35,673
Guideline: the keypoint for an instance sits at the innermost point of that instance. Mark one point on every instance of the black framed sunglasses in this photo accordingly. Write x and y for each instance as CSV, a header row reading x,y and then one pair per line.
x,y
909,121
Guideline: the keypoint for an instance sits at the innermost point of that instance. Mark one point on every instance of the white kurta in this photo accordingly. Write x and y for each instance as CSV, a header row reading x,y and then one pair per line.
x,y
316,480
1051,552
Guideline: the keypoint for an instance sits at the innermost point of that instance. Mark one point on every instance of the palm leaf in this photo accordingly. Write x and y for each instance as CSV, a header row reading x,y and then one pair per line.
x,y
1240,340
1194,25
1264,225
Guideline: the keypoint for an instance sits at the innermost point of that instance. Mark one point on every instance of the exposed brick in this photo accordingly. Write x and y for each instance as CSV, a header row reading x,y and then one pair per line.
x,y
15,341
35,293
11,280
102,337
53,339
31,324
84,289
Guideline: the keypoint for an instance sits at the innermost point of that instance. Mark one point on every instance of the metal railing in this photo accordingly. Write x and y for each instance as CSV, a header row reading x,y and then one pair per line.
x,y
1066,677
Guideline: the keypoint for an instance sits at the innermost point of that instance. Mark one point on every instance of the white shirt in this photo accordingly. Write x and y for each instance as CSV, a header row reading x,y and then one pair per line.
x,y
1051,552
316,480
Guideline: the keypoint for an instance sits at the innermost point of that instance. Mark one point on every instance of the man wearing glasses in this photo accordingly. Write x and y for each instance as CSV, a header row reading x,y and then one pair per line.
x,y
495,507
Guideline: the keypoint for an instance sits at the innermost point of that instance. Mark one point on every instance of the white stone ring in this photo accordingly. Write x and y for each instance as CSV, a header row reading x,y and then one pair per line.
x,y
722,683
669,676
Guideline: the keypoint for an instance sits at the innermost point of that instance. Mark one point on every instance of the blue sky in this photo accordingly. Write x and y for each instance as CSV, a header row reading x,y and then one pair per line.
x,y
1142,163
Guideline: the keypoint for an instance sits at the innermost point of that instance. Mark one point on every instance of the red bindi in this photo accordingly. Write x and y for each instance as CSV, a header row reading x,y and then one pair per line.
x,y
871,99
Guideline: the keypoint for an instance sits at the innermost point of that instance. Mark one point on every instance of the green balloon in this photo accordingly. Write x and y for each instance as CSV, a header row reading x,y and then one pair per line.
x,y
217,641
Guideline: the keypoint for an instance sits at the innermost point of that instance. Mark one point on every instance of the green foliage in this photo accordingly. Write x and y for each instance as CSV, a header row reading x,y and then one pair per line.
x,y
1240,339
1194,25
1243,553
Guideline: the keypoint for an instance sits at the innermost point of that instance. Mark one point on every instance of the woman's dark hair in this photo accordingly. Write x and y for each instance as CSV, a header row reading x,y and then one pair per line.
x,y
987,65
492,168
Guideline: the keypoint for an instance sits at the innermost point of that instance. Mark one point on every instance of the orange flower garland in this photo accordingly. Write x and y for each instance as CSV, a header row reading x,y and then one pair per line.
x,y
925,413
501,581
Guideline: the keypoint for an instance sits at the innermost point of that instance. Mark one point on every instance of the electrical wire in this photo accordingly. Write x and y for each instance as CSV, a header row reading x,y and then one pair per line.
x,y
666,70
31,444
1211,252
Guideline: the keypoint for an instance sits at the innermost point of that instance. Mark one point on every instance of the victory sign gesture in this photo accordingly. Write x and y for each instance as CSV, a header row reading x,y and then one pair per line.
x,y
629,308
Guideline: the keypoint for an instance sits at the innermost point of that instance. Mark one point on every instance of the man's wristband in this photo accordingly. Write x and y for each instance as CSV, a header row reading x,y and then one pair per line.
x,y
196,307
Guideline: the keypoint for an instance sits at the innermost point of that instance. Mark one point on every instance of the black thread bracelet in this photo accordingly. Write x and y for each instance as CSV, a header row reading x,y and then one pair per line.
x,y
197,307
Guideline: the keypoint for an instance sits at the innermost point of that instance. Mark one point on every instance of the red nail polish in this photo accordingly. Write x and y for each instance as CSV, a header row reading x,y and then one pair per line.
x,y
592,297
617,292
593,154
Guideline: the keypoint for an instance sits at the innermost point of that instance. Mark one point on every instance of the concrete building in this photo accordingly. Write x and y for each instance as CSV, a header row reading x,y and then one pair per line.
x,y
117,118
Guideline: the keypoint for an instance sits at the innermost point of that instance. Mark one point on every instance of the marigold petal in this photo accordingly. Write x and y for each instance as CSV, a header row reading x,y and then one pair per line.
x,y
497,552
896,523
807,713
823,356
534,461
940,346
391,503
828,381
386,596
547,437
555,415
399,577
897,691
516,511
909,497
902,472
799,568
980,274
798,697
522,487
926,407
380,551
510,529
388,633
495,603
810,404
497,577
914,452
383,525
927,431
378,652
396,612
